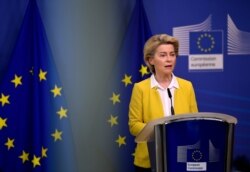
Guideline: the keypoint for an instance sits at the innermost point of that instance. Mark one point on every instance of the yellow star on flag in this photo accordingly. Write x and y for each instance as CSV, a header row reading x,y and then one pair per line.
x,y
62,113
115,98
24,156
113,120
121,140
3,123
10,143
36,161
57,135
56,91
4,99
42,75
17,80
127,79
144,70
44,152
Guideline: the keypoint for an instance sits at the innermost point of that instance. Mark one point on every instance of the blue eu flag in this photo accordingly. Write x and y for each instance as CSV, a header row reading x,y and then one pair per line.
x,y
207,42
35,133
128,69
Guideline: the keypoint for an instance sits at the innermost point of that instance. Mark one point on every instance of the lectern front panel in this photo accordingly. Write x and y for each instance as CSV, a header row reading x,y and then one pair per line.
x,y
197,145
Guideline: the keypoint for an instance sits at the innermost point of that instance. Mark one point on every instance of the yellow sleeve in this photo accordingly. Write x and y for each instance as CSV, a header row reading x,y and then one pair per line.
x,y
193,103
135,115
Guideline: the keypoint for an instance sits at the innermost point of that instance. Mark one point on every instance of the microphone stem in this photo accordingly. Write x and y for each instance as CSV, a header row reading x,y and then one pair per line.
x,y
170,97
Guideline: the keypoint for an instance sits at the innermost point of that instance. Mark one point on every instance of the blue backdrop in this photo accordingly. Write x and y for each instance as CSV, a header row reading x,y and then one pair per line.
x,y
224,90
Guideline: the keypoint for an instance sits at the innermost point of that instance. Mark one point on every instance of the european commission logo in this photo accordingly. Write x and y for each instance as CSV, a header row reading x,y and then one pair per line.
x,y
198,156
206,50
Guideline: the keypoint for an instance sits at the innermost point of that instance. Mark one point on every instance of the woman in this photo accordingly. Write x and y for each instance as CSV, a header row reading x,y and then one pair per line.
x,y
150,98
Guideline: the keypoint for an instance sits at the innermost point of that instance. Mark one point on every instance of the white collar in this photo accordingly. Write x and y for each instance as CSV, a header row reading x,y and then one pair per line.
x,y
173,84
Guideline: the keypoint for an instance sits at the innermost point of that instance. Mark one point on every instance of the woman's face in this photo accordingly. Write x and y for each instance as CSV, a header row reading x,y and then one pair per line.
x,y
164,59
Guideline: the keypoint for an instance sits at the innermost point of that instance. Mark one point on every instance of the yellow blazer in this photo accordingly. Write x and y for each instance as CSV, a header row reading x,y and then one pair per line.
x,y
145,105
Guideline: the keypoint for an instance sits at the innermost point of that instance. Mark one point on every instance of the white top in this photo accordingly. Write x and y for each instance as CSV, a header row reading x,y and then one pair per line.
x,y
166,102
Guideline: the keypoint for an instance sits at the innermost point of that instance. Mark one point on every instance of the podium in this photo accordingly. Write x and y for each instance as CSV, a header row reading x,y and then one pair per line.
x,y
190,142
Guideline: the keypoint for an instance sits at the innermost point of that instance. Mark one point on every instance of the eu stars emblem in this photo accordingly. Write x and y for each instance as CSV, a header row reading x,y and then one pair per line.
x,y
206,50
206,42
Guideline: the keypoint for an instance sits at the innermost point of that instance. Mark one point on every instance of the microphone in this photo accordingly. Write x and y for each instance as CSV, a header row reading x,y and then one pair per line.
x,y
170,97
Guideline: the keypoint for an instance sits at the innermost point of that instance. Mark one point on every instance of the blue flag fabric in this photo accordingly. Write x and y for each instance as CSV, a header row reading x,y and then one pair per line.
x,y
35,132
128,69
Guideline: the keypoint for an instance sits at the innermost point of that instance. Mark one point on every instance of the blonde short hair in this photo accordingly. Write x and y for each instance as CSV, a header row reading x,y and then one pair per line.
x,y
153,43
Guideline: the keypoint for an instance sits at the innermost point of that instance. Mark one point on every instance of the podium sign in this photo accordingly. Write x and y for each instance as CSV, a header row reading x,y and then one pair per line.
x,y
196,142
